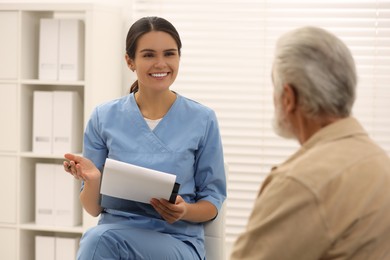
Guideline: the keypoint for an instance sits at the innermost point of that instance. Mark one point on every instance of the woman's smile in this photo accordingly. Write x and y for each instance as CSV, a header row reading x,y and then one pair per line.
x,y
159,75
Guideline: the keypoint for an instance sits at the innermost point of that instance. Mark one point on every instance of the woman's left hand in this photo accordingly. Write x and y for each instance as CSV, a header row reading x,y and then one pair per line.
x,y
171,212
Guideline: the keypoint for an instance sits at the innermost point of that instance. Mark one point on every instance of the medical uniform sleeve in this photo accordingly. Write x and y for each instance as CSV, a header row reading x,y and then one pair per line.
x,y
210,176
95,147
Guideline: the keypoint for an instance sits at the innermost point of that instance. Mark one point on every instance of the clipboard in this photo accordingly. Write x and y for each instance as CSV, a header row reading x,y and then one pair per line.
x,y
127,186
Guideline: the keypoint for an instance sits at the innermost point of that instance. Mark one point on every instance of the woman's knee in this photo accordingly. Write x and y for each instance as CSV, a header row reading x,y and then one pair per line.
x,y
97,243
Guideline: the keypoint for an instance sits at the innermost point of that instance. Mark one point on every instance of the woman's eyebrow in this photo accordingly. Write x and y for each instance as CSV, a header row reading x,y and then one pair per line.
x,y
171,50
151,50
147,50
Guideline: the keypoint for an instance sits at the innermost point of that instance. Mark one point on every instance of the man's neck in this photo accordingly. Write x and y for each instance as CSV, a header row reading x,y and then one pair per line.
x,y
305,127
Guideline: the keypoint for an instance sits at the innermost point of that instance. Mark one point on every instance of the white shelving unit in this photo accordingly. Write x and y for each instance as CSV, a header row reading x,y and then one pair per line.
x,y
19,54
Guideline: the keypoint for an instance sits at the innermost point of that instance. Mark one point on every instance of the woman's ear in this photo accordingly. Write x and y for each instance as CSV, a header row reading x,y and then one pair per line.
x,y
130,63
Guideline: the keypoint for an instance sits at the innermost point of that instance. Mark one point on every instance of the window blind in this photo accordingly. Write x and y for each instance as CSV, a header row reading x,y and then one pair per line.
x,y
226,64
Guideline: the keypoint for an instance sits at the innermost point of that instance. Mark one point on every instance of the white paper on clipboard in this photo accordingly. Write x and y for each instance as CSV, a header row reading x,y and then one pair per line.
x,y
131,182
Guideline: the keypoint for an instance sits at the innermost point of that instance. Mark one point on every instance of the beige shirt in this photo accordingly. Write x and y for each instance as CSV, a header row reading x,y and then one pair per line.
x,y
330,200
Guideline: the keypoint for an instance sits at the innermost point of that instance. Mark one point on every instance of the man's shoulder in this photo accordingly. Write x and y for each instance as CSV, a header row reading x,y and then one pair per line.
x,y
337,160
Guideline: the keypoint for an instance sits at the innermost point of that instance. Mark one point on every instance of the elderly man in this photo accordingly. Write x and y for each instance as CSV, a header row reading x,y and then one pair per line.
x,y
331,199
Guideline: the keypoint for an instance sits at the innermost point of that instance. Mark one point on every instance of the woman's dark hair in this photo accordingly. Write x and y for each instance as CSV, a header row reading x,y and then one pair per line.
x,y
145,25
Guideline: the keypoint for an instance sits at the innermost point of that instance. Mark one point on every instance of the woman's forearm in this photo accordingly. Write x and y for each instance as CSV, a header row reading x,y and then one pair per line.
x,y
200,211
90,196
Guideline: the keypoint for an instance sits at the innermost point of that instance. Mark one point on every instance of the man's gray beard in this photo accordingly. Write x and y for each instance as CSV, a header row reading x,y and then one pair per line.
x,y
281,126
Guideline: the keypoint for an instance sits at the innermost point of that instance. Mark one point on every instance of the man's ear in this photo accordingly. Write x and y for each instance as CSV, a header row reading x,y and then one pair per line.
x,y
289,98
129,62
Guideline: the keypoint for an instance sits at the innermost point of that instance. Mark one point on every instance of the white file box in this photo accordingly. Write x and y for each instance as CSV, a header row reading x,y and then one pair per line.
x,y
71,50
67,209
48,49
43,122
44,194
67,122
45,248
66,248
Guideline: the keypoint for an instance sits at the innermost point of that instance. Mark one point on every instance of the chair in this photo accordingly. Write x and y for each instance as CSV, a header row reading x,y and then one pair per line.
x,y
214,234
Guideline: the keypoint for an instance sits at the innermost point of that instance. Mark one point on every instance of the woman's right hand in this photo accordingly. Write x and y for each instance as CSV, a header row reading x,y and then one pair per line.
x,y
81,168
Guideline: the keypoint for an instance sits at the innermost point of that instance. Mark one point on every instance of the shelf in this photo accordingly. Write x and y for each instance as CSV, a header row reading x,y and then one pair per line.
x,y
8,81
100,81
53,82
34,227
5,153
43,156
5,225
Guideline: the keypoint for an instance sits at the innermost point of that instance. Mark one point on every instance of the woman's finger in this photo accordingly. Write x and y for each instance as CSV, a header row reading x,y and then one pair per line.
x,y
66,166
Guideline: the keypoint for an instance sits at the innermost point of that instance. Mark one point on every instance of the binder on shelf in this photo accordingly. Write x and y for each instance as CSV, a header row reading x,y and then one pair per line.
x,y
42,122
71,50
48,49
67,122
66,248
45,248
56,196
44,194
67,208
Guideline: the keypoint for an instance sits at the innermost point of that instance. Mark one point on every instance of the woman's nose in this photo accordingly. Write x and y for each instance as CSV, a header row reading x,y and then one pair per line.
x,y
160,62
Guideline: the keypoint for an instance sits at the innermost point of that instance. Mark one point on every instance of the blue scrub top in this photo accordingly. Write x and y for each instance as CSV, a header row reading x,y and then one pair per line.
x,y
186,142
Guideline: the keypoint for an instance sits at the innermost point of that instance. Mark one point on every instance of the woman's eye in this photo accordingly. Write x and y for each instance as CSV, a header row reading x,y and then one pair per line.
x,y
148,55
170,53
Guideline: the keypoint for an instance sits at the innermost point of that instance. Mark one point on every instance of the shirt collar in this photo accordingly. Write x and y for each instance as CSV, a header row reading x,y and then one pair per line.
x,y
338,130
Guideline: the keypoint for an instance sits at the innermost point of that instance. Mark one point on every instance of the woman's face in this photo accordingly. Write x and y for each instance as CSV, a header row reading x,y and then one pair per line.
x,y
156,61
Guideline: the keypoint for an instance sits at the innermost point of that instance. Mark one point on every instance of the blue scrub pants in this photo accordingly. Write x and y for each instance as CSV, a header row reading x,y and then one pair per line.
x,y
116,241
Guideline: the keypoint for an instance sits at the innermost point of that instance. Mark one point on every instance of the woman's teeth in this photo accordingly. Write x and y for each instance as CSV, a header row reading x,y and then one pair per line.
x,y
159,75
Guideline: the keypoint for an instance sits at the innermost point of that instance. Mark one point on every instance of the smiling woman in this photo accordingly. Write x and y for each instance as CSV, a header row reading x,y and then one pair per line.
x,y
159,60
160,51
150,127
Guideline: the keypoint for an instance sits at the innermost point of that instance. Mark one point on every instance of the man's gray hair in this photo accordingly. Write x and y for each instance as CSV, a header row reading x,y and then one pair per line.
x,y
320,68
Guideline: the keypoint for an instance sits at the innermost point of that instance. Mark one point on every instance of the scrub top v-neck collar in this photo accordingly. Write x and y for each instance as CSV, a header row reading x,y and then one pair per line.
x,y
152,135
